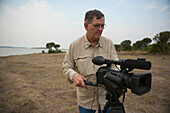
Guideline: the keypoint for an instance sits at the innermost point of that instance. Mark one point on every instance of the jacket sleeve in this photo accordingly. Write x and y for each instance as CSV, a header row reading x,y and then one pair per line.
x,y
68,65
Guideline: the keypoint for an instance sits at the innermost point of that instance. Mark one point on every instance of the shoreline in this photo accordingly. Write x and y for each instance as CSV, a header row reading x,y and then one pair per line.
x,y
22,51
119,53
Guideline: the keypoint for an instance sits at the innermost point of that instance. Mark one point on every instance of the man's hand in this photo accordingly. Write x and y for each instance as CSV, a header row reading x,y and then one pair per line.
x,y
78,80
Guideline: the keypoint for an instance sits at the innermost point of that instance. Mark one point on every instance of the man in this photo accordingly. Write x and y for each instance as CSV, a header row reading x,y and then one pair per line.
x,y
77,64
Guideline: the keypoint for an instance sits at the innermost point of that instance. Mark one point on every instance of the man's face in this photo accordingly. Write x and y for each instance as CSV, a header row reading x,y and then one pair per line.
x,y
95,29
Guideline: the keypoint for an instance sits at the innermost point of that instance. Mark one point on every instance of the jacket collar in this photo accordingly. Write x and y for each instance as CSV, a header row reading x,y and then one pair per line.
x,y
88,44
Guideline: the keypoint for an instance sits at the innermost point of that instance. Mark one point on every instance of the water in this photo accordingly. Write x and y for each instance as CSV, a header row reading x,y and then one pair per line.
x,y
19,51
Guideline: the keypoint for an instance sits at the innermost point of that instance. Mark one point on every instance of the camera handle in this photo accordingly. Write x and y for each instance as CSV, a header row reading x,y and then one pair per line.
x,y
90,83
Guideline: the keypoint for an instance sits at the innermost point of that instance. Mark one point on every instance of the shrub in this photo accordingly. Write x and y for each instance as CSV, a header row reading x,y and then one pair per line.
x,y
54,51
155,48
43,51
51,51
58,51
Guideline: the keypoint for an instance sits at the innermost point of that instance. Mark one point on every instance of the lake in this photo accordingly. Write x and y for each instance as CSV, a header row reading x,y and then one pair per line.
x,y
19,51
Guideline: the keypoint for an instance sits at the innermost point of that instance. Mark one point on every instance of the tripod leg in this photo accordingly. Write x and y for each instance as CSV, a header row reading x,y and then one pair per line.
x,y
117,109
106,107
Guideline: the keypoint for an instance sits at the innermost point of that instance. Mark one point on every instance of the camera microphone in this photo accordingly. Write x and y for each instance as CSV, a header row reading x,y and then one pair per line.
x,y
138,64
99,60
127,63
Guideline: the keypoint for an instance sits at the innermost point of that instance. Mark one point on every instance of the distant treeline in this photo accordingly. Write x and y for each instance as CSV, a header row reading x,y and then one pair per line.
x,y
162,44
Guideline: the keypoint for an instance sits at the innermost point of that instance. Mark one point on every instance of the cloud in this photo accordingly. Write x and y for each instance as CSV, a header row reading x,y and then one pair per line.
x,y
166,7
36,12
150,6
31,24
33,13
120,2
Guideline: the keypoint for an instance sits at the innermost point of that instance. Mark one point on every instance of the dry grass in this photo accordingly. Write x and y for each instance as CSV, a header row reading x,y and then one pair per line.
x,y
35,84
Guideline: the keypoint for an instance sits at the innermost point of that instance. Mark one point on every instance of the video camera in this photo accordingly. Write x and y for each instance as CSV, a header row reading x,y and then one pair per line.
x,y
116,82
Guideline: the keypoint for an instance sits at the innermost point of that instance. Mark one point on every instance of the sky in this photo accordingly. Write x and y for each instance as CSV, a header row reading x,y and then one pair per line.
x,y
33,23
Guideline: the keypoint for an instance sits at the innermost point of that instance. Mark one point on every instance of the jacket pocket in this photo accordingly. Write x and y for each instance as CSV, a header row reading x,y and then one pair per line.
x,y
84,65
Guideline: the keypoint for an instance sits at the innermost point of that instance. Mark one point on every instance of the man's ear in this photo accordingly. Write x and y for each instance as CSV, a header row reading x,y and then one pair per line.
x,y
85,25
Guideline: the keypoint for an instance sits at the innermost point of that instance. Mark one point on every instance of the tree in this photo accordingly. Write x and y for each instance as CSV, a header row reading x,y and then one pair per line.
x,y
146,42
162,39
56,46
50,45
117,46
126,45
138,45
142,44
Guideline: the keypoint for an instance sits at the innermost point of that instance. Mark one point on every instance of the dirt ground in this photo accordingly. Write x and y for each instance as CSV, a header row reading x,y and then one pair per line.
x,y
35,84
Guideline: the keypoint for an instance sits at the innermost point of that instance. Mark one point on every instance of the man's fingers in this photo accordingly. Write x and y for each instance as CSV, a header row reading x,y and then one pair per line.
x,y
79,80
83,84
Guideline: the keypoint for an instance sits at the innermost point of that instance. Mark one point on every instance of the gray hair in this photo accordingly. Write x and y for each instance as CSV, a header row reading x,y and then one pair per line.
x,y
91,14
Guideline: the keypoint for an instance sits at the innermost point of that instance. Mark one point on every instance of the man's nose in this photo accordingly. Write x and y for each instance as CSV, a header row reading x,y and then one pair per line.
x,y
100,28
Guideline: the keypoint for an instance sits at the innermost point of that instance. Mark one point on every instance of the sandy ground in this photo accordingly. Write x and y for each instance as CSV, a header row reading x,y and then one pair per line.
x,y
35,84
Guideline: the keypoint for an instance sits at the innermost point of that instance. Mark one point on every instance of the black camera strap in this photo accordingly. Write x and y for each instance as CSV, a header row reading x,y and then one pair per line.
x,y
123,98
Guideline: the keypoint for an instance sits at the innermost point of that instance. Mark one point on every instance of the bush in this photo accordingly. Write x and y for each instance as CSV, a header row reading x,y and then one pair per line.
x,y
54,51
146,48
43,51
58,51
155,48
51,51
117,47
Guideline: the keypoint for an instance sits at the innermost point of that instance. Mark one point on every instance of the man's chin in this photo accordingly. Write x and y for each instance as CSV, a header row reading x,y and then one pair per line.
x,y
98,36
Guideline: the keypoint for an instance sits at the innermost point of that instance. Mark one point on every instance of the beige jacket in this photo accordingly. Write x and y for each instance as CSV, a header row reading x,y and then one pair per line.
x,y
78,59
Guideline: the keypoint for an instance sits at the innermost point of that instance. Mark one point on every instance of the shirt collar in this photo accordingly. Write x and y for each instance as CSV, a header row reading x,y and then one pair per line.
x,y
88,44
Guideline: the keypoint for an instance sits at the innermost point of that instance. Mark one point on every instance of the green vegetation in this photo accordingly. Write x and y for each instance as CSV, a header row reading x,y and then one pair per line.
x,y
125,45
54,51
50,45
161,45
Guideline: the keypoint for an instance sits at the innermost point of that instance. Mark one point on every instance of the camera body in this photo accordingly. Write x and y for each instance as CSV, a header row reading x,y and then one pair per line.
x,y
115,81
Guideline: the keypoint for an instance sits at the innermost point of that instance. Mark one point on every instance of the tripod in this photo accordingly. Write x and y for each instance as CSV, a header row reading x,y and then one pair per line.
x,y
113,98
115,105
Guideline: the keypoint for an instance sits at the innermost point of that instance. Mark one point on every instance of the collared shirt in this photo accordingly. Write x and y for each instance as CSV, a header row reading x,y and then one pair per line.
x,y
78,59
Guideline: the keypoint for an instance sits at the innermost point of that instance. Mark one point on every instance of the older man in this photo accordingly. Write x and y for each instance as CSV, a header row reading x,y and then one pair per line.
x,y
77,64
